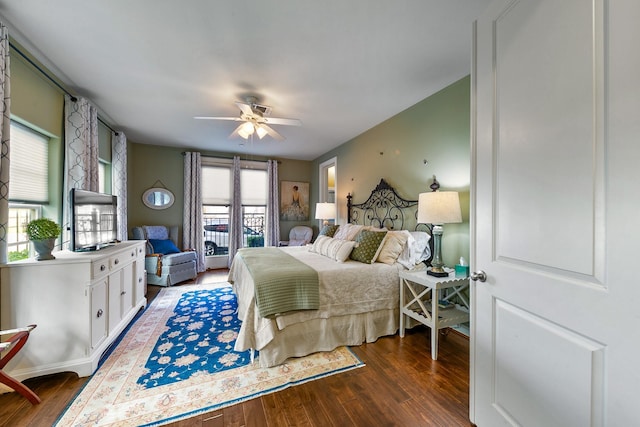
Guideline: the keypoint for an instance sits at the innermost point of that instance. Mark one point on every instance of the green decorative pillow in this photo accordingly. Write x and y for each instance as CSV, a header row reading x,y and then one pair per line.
x,y
368,246
328,230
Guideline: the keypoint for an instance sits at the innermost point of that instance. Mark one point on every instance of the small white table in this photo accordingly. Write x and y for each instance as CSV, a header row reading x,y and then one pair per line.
x,y
421,302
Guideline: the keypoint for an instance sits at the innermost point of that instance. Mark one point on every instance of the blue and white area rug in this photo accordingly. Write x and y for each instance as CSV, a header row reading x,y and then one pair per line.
x,y
177,360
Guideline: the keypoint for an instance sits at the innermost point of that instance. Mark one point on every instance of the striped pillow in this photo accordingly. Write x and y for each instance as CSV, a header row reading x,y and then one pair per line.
x,y
336,249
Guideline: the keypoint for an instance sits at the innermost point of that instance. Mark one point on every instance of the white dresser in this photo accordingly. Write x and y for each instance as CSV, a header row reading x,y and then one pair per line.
x,y
81,302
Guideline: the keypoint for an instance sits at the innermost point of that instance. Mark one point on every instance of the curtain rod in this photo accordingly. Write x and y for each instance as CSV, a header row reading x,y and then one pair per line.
x,y
231,158
44,73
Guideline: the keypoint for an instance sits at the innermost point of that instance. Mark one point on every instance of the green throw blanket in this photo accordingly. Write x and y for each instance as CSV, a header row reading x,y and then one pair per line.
x,y
282,283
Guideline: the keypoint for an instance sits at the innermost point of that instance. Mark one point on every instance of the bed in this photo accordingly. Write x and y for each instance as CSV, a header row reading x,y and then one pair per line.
x,y
357,302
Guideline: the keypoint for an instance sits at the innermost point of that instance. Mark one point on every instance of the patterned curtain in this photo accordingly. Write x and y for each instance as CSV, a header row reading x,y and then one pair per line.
x,y
119,180
80,151
235,217
192,231
5,95
273,215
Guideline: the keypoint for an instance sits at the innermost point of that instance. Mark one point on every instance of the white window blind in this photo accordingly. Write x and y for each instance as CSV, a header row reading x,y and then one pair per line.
x,y
29,170
253,185
216,185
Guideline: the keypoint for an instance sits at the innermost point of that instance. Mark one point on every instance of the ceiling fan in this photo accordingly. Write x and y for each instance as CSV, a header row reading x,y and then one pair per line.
x,y
255,118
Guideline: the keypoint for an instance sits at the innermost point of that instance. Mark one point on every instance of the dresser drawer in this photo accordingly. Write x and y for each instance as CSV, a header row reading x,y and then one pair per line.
x,y
99,268
121,259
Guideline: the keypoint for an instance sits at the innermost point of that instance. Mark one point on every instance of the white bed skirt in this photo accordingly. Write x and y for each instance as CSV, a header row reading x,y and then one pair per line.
x,y
315,335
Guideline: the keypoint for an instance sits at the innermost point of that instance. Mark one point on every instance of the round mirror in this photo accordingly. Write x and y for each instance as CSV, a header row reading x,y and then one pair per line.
x,y
158,198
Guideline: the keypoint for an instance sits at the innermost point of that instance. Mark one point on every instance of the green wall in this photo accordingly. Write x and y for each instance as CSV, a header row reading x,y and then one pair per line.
x,y
148,164
435,130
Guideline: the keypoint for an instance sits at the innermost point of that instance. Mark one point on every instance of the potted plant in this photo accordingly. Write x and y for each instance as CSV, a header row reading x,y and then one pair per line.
x,y
43,232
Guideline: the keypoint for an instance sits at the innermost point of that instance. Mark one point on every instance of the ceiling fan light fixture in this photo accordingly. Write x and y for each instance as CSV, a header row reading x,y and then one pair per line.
x,y
246,130
256,119
261,131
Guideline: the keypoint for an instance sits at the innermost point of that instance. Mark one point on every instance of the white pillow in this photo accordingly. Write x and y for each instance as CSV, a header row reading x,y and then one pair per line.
x,y
335,249
416,250
421,249
393,245
348,231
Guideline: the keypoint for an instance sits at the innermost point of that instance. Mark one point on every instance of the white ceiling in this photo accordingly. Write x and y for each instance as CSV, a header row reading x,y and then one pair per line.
x,y
340,66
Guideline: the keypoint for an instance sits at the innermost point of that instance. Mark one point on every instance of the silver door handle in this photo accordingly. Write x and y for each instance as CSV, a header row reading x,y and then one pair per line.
x,y
479,275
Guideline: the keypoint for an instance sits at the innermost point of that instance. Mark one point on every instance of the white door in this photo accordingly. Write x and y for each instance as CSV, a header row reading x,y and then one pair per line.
x,y
555,214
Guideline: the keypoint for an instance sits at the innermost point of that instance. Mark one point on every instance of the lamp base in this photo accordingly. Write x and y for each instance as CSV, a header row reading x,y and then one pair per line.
x,y
437,273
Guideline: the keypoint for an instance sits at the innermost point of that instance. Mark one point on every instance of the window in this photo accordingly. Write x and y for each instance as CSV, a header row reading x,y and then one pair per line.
x,y
102,166
17,241
29,188
216,199
29,169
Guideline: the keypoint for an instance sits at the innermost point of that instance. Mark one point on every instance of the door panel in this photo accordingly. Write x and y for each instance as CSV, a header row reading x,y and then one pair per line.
x,y
554,144
522,378
547,135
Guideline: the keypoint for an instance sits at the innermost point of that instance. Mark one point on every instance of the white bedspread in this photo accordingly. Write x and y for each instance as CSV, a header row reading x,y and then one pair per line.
x,y
345,289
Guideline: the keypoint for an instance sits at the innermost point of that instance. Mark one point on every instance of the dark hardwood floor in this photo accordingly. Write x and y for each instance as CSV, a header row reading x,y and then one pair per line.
x,y
399,386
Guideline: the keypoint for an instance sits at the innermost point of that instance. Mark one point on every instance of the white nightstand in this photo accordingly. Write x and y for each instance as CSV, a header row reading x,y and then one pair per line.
x,y
421,302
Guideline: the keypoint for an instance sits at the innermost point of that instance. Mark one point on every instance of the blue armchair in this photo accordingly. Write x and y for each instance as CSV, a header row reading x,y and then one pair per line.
x,y
166,265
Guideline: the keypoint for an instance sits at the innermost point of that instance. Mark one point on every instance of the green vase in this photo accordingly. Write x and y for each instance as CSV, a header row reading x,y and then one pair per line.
x,y
43,249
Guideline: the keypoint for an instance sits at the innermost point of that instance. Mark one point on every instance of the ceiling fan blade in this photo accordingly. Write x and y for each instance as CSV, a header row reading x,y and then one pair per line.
x,y
235,119
272,133
245,108
281,121
235,134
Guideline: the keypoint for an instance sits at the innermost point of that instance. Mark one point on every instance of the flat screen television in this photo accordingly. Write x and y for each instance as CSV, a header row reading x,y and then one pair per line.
x,y
93,220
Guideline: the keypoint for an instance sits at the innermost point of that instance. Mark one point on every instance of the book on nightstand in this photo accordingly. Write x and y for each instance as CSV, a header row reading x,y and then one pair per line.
x,y
445,304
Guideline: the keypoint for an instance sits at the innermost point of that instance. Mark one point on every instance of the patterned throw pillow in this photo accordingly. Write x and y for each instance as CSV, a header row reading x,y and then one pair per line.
x,y
328,230
156,232
368,246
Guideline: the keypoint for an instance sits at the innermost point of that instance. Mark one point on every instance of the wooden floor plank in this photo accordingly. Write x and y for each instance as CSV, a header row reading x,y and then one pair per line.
x,y
254,413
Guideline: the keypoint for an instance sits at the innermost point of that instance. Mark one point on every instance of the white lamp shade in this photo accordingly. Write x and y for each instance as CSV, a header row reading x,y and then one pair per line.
x,y
325,210
246,130
439,207
261,131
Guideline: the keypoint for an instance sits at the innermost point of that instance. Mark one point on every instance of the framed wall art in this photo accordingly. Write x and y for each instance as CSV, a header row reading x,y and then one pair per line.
x,y
294,201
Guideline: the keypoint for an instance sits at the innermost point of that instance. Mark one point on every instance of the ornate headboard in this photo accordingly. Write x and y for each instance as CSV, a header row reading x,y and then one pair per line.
x,y
385,208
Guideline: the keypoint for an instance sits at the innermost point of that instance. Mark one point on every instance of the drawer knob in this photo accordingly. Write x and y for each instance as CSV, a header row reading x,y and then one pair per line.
x,y
123,292
99,313
103,267
117,261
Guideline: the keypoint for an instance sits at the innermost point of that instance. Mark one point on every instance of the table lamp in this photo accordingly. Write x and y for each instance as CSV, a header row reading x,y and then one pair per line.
x,y
437,208
325,212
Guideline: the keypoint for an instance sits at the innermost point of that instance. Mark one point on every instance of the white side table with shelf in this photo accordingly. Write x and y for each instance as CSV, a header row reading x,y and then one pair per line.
x,y
419,295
